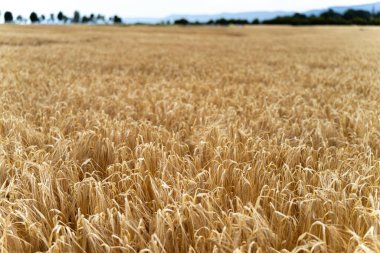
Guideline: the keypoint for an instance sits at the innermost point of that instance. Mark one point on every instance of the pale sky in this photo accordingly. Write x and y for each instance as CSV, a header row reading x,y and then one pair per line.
x,y
161,8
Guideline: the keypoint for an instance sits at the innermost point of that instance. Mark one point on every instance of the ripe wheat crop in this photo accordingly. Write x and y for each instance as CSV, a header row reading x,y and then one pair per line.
x,y
185,139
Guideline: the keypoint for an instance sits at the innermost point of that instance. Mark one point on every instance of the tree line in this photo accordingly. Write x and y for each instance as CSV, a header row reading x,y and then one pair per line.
x,y
221,21
61,18
329,17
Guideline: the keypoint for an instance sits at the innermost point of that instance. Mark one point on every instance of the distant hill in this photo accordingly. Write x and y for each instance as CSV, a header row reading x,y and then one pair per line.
x,y
341,9
143,20
261,15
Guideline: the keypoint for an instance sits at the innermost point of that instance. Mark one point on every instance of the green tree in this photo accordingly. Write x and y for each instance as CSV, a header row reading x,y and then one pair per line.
x,y
117,20
52,18
19,18
256,22
76,18
357,14
8,17
330,14
34,17
181,21
60,16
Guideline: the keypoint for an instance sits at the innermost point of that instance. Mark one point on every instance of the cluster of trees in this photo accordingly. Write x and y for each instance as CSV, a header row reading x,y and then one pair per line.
x,y
221,21
330,17
61,18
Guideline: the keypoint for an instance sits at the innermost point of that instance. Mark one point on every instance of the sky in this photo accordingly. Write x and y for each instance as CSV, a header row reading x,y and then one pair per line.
x,y
162,8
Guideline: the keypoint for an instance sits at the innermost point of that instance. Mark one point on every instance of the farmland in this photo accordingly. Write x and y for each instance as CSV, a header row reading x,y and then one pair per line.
x,y
189,139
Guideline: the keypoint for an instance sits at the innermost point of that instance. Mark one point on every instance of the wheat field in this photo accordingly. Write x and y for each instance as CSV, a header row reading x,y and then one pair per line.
x,y
189,139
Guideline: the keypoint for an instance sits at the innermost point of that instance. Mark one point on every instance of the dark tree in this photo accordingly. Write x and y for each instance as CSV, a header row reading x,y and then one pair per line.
x,y
117,20
85,19
238,22
8,17
221,21
34,17
76,18
256,22
299,15
330,14
359,21
52,18
19,18
60,16
357,14
42,17
100,17
181,21
375,21
296,19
